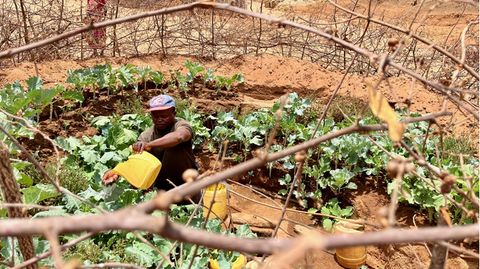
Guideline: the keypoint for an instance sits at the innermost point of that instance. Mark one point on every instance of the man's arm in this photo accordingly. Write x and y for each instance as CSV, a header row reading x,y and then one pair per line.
x,y
180,135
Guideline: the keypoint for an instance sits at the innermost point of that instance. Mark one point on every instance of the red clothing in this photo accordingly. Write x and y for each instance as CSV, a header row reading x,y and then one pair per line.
x,y
96,12
96,7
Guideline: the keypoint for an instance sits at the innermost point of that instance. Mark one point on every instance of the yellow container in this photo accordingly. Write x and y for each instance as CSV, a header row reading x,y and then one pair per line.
x,y
351,257
219,207
239,263
140,170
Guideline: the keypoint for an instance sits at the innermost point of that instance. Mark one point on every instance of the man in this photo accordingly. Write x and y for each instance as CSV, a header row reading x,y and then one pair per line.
x,y
170,140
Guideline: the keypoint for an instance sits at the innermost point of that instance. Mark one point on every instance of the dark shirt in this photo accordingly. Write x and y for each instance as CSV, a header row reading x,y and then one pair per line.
x,y
175,160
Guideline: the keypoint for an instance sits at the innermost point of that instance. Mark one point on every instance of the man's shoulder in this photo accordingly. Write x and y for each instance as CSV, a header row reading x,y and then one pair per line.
x,y
179,122
147,135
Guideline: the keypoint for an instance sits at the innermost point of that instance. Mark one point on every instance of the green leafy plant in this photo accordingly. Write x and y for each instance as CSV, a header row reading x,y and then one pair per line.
x,y
332,207
179,81
226,83
99,152
157,78
30,102
201,133
144,74
194,70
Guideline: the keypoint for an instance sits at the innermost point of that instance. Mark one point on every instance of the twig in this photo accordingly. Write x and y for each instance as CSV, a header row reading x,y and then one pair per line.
x,y
419,38
49,253
41,207
52,237
296,179
131,219
112,265
424,244
306,213
459,249
394,196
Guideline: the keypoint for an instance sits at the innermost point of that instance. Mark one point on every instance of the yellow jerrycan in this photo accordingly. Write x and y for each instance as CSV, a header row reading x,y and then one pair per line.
x,y
140,170
219,207
350,257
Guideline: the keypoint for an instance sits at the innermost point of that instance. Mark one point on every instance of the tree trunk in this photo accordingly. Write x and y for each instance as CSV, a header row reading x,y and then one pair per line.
x,y
11,192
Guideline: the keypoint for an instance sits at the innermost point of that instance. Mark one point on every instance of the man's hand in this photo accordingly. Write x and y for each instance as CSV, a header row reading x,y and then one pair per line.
x,y
139,147
109,177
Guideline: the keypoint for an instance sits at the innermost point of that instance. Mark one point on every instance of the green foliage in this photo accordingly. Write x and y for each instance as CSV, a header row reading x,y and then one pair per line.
x,y
96,154
31,101
126,248
73,178
38,193
336,163
181,214
194,69
332,207
454,146
157,78
226,83
104,76
112,79
179,81
201,133
130,105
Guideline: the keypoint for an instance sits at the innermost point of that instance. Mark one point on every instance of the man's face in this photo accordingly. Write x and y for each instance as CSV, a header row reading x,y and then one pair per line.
x,y
163,118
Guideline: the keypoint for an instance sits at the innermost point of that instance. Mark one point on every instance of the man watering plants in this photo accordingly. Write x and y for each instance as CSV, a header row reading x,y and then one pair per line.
x,y
169,140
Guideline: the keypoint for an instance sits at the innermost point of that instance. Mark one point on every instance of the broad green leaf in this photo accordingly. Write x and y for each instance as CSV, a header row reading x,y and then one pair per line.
x,y
312,210
214,225
325,211
244,231
24,180
34,83
101,121
51,213
126,137
223,262
351,186
40,192
282,192
157,77
110,156
256,140
71,203
327,224
143,253
89,156
70,144
73,96
129,197
91,193
162,244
